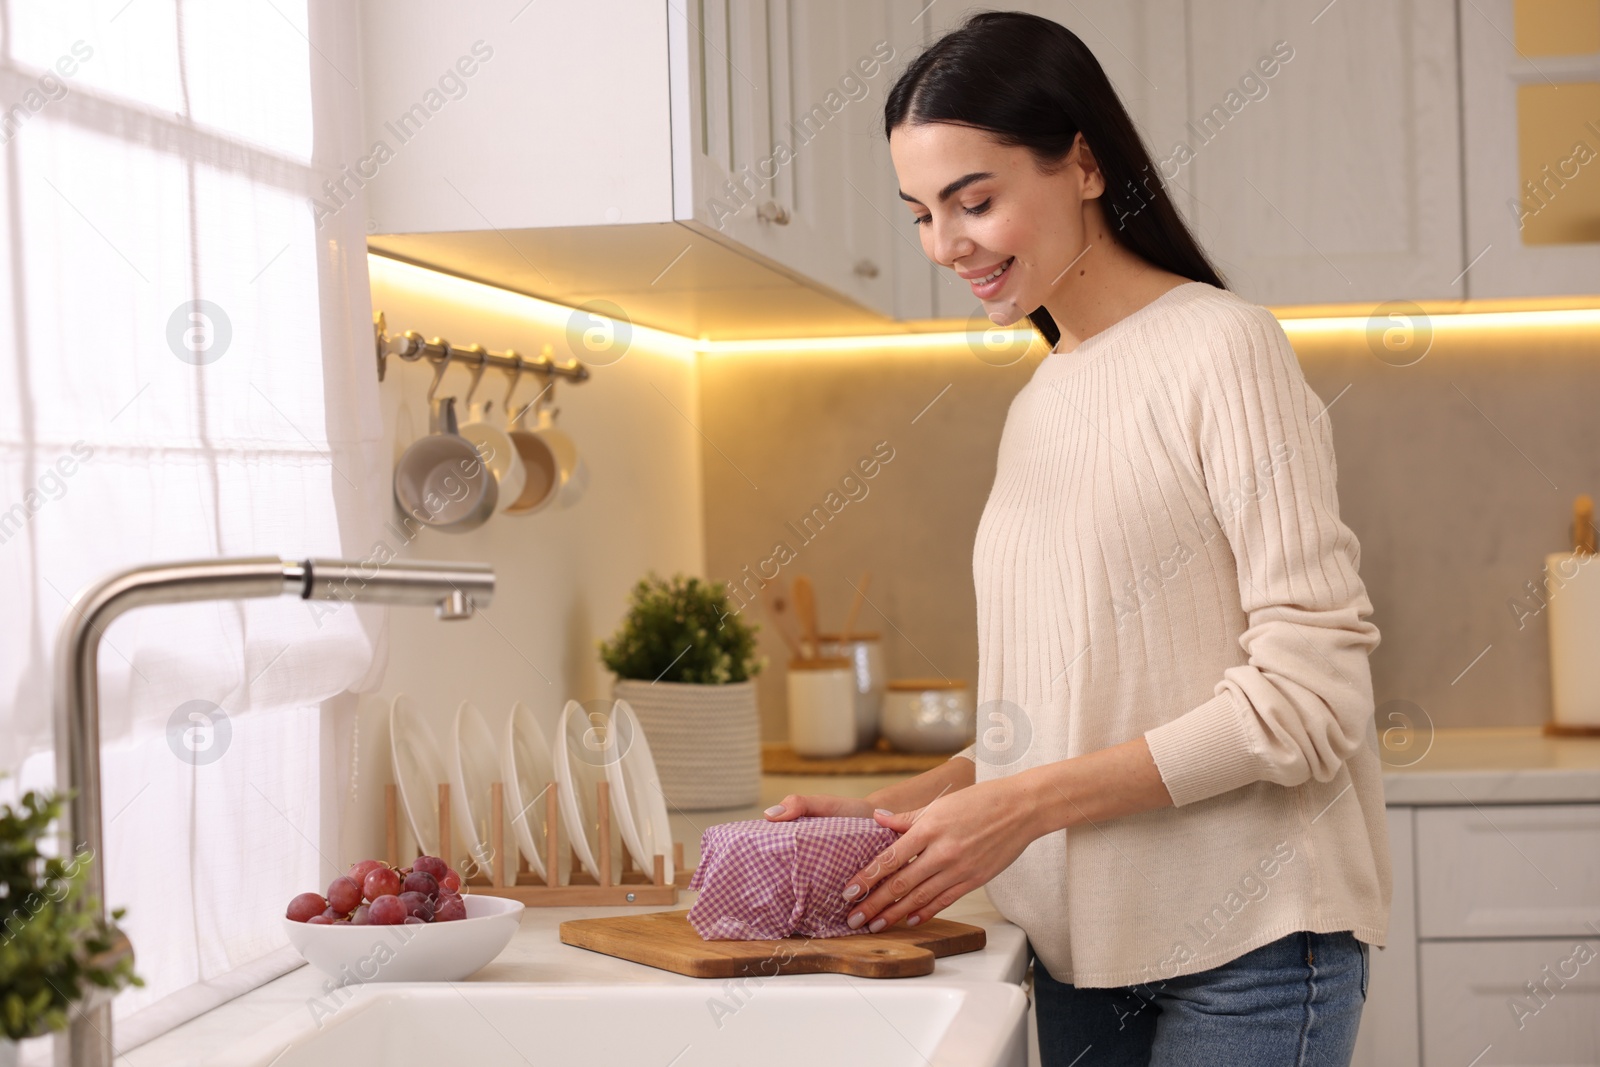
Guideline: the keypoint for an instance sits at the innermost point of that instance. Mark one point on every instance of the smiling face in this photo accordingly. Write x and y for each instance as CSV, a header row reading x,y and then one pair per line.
x,y
997,210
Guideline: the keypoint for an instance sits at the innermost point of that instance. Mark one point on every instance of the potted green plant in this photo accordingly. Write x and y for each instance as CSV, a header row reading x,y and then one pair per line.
x,y
57,951
685,662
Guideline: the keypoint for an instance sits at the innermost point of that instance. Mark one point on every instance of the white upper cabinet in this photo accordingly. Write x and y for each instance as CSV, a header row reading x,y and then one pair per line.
x,y
504,114
1141,48
1338,178
1531,85
1314,153
790,159
624,149
719,168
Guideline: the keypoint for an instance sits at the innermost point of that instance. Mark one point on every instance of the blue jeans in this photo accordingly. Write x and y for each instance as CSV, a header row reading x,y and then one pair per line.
x,y
1295,1002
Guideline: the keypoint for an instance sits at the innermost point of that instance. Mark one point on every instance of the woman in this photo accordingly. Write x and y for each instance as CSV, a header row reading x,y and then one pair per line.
x,y
1175,790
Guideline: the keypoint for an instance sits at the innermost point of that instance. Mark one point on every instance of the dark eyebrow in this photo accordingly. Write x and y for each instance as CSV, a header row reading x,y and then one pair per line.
x,y
953,188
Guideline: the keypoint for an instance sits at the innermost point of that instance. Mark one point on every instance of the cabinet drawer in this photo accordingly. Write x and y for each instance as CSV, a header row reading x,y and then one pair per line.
x,y
1508,870
1477,1007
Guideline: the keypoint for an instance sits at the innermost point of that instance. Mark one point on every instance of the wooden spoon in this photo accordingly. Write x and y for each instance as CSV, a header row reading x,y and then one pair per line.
x,y
855,605
772,601
805,606
1583,525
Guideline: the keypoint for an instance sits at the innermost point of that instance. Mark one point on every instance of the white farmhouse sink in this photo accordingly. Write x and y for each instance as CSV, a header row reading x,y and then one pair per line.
x,y
799,1021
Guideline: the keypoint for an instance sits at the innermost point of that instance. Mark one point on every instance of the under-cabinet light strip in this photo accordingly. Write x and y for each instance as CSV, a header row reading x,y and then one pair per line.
x,y
1553,318
995,340
558,316
434,284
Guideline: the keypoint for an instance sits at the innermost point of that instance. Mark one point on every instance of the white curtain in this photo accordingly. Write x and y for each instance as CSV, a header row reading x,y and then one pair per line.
x,y
187,372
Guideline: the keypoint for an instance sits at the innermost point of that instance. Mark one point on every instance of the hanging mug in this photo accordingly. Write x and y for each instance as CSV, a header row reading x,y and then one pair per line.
x,y
498,451
441,480
542,467
574,472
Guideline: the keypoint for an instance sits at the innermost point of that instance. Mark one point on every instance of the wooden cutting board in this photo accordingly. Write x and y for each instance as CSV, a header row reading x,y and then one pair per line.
x,y
779,757
665,939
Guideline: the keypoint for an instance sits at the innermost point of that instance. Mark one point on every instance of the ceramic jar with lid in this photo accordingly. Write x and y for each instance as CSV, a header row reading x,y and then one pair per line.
x,y
928,714
865,653
822,716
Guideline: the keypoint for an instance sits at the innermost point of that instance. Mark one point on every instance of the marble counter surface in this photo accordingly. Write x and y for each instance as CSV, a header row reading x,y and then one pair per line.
x,y
1453,766
1493,765
536,953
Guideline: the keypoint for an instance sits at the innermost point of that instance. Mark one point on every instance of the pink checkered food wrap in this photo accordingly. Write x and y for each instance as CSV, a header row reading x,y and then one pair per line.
x,y
761,880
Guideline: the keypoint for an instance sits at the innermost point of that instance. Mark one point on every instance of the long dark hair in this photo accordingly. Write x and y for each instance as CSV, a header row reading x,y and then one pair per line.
x,y
1032,83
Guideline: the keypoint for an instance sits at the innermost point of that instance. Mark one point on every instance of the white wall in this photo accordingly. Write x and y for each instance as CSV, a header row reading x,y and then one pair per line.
x,y
562,577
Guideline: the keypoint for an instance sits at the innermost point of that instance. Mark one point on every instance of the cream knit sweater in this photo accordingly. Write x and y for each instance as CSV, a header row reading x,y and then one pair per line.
x,y
1161,555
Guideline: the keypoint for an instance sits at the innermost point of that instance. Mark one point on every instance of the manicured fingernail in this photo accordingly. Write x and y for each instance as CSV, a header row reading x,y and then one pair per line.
x,y
776,809
853,892
914,920
882,811
856,920
877,924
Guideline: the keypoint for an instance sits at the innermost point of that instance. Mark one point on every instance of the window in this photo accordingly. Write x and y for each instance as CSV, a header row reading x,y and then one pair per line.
x,y
186,374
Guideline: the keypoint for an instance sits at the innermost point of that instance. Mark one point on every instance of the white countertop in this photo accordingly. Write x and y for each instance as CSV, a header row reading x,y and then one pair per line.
x,y
1457,766
1495,765
536,953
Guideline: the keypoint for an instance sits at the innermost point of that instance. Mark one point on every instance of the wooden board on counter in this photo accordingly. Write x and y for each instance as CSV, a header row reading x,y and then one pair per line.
x,y
665,939
777,757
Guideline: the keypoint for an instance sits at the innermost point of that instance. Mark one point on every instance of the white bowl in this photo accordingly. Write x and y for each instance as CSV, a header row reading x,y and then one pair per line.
x,y
418,952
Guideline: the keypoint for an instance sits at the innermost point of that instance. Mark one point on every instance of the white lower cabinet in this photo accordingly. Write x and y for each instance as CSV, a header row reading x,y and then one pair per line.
x,y
1494,940
1508,870
1515,1002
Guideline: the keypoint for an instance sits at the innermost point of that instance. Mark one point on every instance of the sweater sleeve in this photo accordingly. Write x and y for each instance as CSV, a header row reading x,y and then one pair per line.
x,y
1302,702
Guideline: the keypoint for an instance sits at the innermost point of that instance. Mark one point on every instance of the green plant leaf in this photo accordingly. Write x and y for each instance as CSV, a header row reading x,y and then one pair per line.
x,y
50,932
682,630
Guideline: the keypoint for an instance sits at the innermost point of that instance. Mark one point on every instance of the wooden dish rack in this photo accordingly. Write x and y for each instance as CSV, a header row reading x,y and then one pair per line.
x,y
521,884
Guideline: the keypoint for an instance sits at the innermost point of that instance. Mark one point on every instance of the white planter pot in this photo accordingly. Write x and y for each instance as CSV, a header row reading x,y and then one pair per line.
x,y
706,740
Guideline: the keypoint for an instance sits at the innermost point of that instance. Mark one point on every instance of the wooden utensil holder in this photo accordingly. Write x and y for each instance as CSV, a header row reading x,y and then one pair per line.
x,y
517,881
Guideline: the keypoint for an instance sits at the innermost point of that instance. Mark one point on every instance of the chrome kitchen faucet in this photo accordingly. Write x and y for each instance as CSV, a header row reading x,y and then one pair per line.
x,y
454,588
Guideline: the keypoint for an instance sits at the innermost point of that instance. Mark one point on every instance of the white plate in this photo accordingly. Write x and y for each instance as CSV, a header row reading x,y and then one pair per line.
x,y
529,771
636,790
582,746
418,771
474,772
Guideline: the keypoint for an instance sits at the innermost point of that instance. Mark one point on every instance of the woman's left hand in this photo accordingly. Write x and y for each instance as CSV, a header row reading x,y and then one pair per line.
x,y
958,842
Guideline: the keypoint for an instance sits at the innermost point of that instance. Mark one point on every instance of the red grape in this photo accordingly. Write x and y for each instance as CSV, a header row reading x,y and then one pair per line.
x,y
451,907
360,917
421,882
386,911
320,920
359,871
381,882
306,906
412,920
343,895
431,865
451,882
417,905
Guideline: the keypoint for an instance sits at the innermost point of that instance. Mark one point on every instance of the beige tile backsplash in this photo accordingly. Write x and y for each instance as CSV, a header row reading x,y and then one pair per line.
x,y
1456,473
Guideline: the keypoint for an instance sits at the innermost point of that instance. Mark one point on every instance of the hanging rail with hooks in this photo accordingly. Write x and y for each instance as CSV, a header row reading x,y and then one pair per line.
x,y
411,346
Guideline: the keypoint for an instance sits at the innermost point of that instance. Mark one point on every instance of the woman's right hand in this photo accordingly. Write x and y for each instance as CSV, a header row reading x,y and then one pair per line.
x,y
795,805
